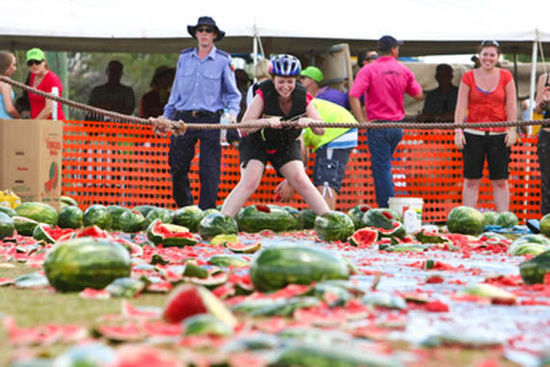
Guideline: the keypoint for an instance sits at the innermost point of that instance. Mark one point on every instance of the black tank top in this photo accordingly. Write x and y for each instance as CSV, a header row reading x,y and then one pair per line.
x,y
274,138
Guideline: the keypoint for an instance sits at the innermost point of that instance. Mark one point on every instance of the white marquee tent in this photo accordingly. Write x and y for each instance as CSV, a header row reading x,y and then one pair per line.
x,y
428,27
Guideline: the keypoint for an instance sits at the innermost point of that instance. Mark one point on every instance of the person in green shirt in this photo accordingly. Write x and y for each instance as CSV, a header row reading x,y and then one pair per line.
x,y
332,151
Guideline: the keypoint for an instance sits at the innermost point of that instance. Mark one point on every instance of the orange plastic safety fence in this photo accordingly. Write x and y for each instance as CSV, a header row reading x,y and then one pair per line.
x,y
126,164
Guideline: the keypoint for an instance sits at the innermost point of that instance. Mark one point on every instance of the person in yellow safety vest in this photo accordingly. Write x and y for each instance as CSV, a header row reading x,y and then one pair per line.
x,y
332,151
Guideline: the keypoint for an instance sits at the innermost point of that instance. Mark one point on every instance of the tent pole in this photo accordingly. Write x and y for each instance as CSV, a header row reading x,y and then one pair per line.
x,y
533,81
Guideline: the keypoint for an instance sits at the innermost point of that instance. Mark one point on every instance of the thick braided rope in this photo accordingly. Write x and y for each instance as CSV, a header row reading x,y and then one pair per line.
x,y
181,126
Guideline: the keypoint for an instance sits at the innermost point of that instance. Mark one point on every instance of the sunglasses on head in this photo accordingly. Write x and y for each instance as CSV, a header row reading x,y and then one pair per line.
x,y
372,57
205,29
34,62
490,43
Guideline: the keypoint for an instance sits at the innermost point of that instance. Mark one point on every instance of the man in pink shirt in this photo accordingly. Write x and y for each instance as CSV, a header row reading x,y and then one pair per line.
x,y
383,84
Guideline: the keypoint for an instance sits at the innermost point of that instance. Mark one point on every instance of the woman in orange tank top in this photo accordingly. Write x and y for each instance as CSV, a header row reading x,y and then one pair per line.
x,y
488,94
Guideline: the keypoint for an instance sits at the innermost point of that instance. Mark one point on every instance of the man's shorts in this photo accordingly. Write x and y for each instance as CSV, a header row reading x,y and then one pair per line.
x,y
252,148
480,146
330,166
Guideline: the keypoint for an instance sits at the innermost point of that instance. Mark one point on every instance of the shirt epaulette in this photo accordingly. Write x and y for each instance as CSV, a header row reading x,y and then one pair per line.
x,y
223,53
187,50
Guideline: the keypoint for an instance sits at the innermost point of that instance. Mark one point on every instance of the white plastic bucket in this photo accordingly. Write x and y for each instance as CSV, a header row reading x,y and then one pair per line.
x,y
401,205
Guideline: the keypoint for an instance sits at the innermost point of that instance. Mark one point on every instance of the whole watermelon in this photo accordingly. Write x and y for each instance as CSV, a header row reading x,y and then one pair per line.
x,y
188,216
506,220
379,218
7,228
490,217
132,221
255,218
545,225
307,219
215,224
98,215
86,263
276,267
465,220
144,209
116,211
334,226
40,212
165,216
70,217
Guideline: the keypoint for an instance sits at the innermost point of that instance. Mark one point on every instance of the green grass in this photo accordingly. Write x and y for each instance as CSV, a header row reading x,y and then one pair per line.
x,y
43,306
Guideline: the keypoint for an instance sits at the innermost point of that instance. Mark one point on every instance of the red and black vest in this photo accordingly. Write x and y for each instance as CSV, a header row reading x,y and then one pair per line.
x,y
277,137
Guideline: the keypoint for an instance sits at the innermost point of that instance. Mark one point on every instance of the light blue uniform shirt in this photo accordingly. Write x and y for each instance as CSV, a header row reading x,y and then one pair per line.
x,y
207,84
3,113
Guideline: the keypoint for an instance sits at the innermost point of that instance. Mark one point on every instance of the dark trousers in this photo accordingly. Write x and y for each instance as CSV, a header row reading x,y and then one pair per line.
x,y
382,144
182,151
543,152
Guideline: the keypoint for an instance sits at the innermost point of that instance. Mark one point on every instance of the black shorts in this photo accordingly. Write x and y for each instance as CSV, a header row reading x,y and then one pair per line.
x,y
330,170
480,147
251,147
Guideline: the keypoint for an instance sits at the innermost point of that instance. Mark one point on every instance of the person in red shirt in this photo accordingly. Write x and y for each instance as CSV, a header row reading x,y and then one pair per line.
x,y
42,78
486,94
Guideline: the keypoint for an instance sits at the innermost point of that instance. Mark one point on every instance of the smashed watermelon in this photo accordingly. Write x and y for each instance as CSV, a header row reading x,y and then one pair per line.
x,y
170,234
364,237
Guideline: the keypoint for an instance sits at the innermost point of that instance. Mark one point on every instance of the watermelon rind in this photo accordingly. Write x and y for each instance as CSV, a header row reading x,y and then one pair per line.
x,y
215,224
86,262
534,271
8,211
165,216
334,226
379,218
188,216
41,233
206,324
276,267
531,244
144,209
7,227
24,226
356,214
545,225
255,218
40,212
67,201
307,219
70,217
167,234
225,260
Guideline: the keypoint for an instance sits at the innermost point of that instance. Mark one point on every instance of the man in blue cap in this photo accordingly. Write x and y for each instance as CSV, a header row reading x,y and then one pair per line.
x,y
204,86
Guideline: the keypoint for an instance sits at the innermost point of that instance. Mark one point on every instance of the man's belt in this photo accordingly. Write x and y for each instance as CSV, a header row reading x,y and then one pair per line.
x,y
201,113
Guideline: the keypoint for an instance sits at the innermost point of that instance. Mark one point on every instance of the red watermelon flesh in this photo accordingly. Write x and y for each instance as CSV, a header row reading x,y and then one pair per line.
x,y
184,302
364,237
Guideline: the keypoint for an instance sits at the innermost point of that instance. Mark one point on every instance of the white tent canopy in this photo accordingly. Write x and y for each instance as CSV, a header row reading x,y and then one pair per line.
x,y
427,26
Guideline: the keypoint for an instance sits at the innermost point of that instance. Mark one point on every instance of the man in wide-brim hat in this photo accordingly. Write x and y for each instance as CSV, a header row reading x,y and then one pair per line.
x,y
209,24
204,87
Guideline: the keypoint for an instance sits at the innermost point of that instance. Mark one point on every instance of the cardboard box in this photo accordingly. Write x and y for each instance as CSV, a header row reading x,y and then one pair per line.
x,y
30,159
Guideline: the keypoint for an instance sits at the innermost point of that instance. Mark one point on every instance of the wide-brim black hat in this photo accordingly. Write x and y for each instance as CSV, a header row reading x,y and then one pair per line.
x,y
208,21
